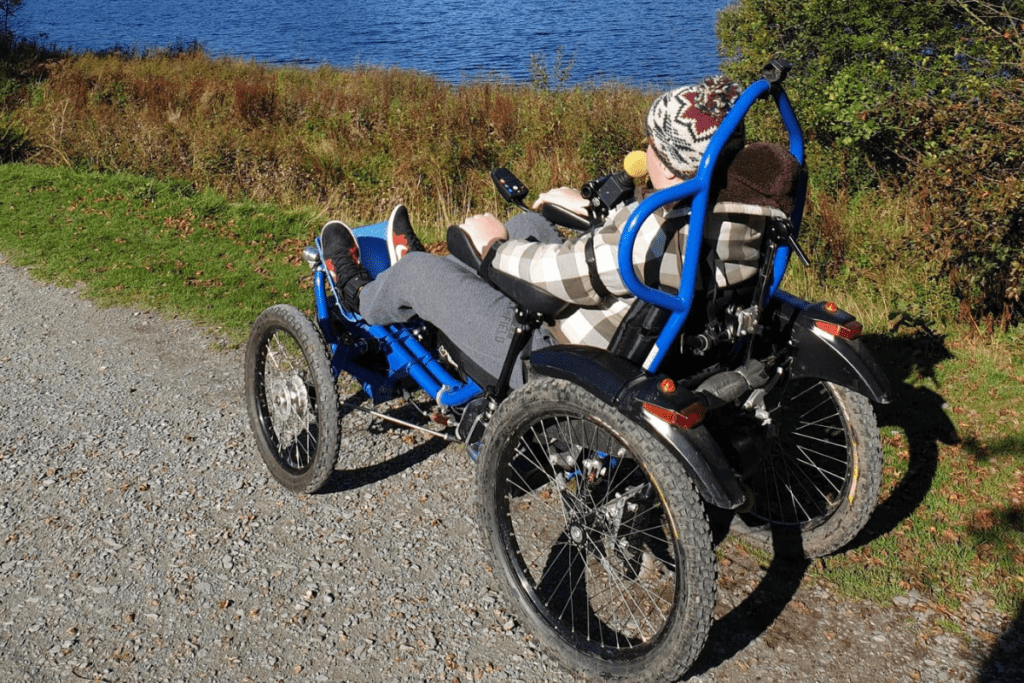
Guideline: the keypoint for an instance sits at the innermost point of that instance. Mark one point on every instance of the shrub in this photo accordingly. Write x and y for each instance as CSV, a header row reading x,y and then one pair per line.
x,y
970,180
920,97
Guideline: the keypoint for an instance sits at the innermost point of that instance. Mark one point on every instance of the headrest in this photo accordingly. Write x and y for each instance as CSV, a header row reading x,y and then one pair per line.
x,y
763,174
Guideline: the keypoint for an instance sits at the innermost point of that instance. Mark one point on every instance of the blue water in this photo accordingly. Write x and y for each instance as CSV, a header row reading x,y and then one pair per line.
x,y
644,42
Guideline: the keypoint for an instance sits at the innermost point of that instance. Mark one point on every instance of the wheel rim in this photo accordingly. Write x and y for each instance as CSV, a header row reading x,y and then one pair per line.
x,y
809,467
287,401
588,537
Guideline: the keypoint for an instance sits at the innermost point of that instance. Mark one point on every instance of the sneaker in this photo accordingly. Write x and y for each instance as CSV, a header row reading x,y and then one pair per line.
x,y
399,236
341,258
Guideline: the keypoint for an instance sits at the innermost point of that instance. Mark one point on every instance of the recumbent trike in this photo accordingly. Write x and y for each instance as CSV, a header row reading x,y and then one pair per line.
x,y
596,476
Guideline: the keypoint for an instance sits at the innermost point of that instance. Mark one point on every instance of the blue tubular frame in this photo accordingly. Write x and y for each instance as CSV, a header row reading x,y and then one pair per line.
x,y
698,191
406,356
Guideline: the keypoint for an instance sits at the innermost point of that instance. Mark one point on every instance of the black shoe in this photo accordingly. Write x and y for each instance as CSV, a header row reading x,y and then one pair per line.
x,y
399,236
341,258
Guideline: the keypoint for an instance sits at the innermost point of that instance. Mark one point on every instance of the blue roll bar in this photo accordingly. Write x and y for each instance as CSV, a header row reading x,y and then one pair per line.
x,y
698,192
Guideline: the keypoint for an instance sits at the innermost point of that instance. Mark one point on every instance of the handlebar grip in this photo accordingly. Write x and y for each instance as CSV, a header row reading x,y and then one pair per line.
x,y
561,216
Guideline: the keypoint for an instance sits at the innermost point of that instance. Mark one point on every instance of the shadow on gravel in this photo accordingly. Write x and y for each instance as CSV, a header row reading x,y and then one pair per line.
x,y
348,480
995,535
910,352
732,633
342,480
1006,663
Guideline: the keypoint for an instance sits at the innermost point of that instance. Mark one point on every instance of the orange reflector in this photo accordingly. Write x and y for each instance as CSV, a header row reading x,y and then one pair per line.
x,y
687,418
850,330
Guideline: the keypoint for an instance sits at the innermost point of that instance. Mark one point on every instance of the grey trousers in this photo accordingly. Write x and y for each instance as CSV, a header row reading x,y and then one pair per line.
x,y
446,293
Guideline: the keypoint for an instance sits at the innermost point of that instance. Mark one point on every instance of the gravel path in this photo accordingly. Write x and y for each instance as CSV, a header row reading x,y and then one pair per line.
x,y
141,539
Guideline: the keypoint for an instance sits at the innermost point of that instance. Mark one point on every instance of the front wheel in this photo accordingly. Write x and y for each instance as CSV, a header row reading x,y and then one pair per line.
x,y
292,398
598,534
819,467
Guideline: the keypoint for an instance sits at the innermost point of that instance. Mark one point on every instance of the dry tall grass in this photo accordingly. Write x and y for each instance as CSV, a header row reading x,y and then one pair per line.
x,y
351,142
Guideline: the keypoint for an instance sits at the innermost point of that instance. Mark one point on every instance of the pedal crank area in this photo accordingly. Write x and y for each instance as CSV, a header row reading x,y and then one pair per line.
x,y
402,423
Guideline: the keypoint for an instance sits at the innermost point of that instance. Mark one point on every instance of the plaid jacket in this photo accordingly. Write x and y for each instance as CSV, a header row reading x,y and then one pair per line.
x,y
733,237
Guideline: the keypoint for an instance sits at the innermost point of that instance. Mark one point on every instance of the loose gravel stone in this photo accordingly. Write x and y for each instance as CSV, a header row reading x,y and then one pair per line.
x,y
141,539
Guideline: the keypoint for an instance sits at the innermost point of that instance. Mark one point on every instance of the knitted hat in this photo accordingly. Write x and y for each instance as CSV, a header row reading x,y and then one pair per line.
x,y
681,122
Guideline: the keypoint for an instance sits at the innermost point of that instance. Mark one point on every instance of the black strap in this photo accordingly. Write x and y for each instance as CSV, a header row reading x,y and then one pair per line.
x,y
351,290
485,264
595,279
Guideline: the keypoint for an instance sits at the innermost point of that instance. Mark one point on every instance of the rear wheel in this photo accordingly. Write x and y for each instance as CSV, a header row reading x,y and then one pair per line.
x,y
816,480
292,398
597,533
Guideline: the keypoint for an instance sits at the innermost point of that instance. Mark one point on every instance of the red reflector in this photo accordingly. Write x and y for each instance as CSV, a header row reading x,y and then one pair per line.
x,y
667,386
850,330
687,418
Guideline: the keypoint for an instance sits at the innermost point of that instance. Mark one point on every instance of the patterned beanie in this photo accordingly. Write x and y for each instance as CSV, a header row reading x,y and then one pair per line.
x,y
681,122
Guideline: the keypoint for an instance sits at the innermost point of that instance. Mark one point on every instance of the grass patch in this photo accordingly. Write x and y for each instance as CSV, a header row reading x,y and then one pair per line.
x,y
155,244
352,142
950,523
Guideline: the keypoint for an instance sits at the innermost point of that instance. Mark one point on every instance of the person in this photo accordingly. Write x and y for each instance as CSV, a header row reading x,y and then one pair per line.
x,y
479,320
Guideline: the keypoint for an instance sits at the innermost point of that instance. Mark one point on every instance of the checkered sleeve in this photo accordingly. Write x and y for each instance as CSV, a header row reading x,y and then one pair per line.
x,y
734,233
732,240
561,269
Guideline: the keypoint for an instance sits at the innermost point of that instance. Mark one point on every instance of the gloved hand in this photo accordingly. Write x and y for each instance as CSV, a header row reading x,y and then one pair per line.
x,y
566,197
484,230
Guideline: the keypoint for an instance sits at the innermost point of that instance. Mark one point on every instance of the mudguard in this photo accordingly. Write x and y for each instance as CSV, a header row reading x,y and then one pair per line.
x,y
622,384
820,355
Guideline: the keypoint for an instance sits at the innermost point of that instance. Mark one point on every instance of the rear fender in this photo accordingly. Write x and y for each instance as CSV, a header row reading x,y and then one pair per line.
x,y
820,355
626,386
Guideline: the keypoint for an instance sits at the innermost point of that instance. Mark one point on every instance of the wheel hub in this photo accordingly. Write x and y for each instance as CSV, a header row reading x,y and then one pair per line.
x,y
289,397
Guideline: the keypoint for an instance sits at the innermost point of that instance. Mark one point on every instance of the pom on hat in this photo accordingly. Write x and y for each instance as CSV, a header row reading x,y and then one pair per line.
x,y
681,122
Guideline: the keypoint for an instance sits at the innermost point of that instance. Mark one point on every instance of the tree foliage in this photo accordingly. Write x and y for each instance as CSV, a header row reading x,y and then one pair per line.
x,y
856,58
8,8
928,96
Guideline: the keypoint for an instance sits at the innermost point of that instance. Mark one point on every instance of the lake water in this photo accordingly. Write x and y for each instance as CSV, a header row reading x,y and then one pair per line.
x,y
649,42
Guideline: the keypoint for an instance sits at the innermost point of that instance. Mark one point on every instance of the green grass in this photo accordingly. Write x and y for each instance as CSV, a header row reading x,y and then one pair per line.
x,y
152,244
351,142
951,520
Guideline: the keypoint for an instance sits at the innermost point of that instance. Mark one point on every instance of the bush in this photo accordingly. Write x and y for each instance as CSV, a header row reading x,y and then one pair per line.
x,y
922,98
856,61
969,181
